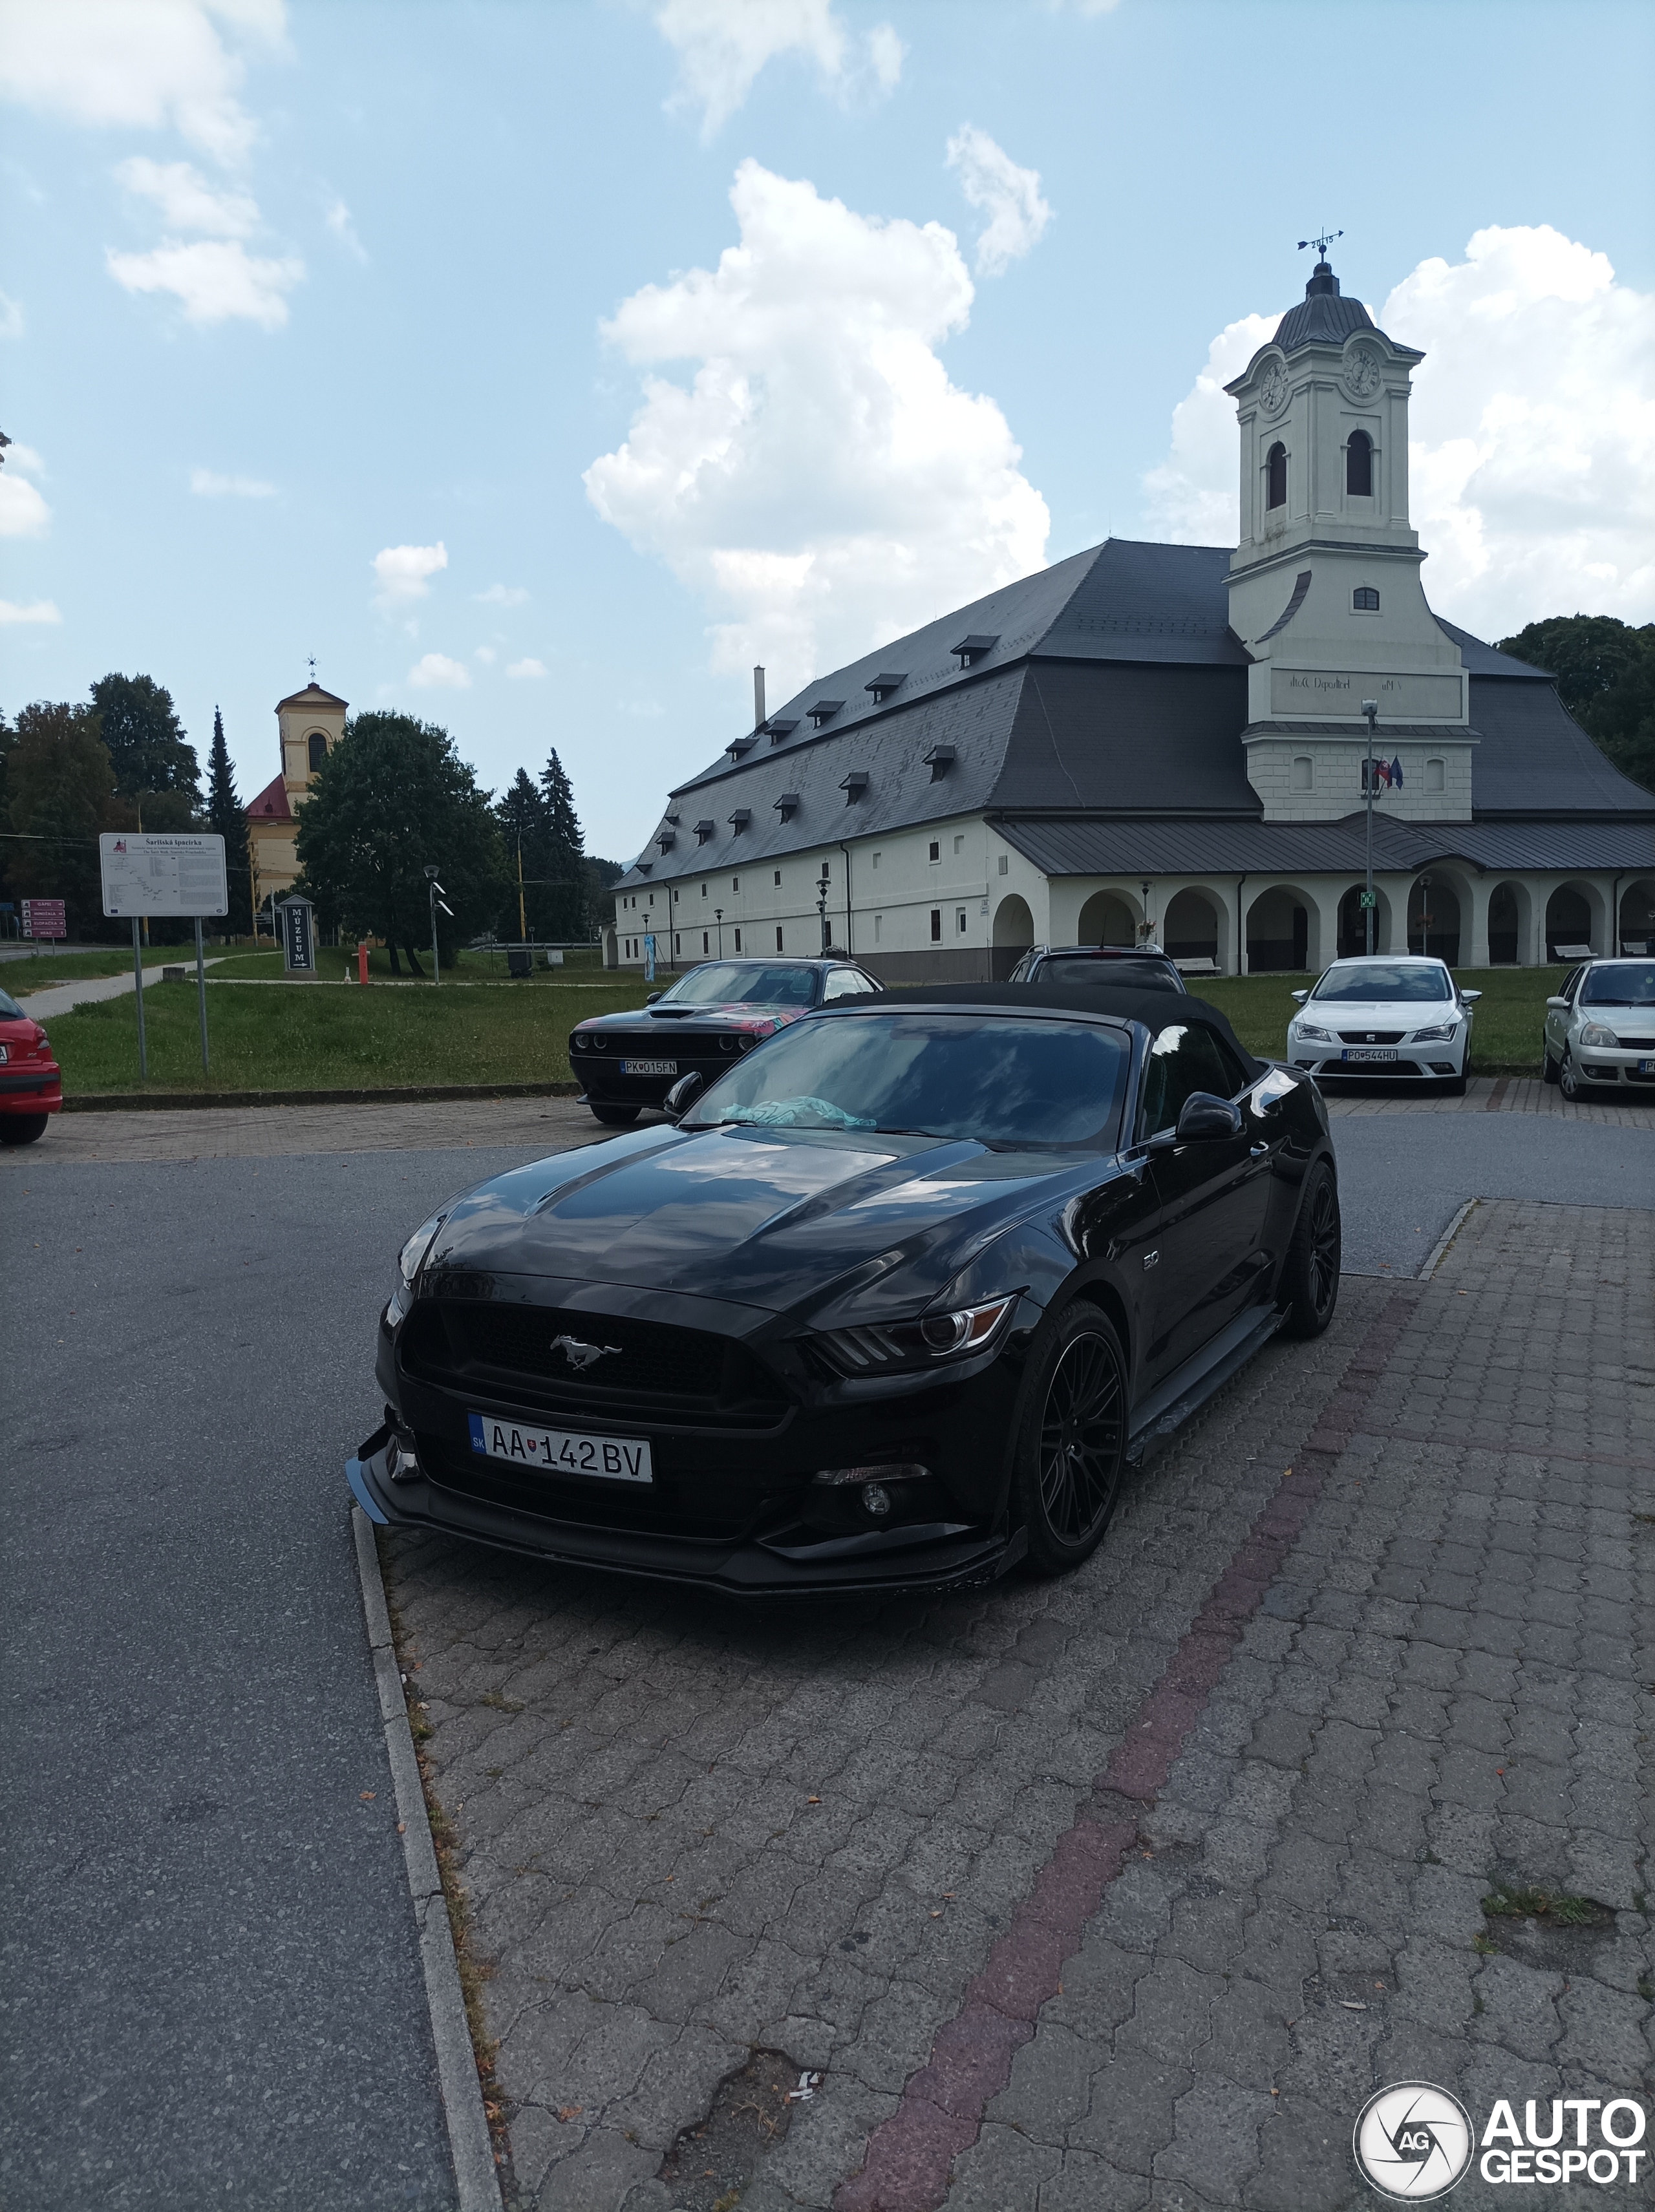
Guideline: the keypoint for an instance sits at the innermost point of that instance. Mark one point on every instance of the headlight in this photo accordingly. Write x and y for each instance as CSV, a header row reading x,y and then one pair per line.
x,y
1438,1036
412,1258
885,1344
1310,1034
1595,1034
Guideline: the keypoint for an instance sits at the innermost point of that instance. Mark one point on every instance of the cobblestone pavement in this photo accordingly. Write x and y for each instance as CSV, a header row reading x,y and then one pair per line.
x,y
1126,1889
1501,1094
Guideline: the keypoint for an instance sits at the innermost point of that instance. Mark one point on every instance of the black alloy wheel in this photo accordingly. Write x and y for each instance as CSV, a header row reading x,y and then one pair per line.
x,y
1309,1278
22,1128
1071,1444
615,1117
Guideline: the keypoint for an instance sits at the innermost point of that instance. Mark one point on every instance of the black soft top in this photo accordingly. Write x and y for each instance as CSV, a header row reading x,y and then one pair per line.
x,y
1155,1010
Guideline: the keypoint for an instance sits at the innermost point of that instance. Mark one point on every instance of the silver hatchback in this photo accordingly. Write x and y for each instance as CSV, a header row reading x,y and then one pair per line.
x,y
1600,1028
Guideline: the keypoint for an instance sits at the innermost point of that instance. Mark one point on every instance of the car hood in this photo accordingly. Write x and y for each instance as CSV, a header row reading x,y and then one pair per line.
x,y
1370,1014
771,1218
738,1014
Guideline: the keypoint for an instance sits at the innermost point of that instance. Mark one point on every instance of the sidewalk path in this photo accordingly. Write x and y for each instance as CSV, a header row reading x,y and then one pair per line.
x,y
59,998
1120,1891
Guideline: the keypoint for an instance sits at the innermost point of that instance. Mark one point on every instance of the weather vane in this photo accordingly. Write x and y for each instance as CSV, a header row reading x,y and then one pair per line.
x,y
1321,243
312,668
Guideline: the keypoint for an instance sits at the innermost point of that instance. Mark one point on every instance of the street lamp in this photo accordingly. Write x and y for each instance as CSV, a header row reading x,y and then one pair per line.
x,y
1371,709
718,916
435,900
1148,934
1424,884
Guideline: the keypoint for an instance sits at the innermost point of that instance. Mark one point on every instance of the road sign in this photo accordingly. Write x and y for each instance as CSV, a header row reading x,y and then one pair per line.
x,y
297,919
44,918
162,875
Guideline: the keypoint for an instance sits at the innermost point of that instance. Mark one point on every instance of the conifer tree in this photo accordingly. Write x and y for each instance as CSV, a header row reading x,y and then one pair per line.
x,y
226,814
566,897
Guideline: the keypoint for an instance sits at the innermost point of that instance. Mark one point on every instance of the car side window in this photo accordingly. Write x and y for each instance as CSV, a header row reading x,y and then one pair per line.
x,y
1236,1076
1184,1058
844,983
1571,985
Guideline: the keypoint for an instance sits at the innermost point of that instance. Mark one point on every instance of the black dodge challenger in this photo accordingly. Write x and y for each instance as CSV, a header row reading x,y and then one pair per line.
x,y
894,1304
719,1009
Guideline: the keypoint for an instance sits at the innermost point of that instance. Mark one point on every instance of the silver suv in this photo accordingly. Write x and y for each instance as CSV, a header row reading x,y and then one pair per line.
x,y
1600,1028
1134,967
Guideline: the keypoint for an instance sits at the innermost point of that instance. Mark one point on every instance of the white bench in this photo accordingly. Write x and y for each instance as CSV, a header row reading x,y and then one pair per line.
x,y
1196,967
1573,951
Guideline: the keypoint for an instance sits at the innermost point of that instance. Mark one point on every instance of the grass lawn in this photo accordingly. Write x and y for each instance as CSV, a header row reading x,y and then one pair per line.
x,y
39,970
305,1037
582,964
1505,1035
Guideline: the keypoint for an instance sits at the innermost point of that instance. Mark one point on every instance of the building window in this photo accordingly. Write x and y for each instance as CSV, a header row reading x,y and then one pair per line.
x,y
778,878
1005,865
738,941
876,859
959,921
1358,466
703,891
675,896
735,883
959,844
1365,600
778,937
1303,773
1436,777
318,750
935,853
676,947
878,927
936,925
704,940
1276,475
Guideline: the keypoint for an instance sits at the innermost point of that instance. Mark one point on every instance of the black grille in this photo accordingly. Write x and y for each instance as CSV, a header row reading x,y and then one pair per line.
x,y
645,1369
1369,1037
1636,1044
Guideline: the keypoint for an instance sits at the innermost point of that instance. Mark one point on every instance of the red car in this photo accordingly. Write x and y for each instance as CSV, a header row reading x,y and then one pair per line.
x,y
31,1081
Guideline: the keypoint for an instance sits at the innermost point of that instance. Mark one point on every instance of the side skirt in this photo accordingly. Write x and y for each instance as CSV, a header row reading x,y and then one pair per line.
x,y
1198,1379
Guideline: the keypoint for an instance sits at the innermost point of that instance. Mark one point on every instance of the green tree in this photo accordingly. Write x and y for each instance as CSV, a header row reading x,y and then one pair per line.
x,y
525,832
227,815
148,749
60,791
564,893
393,799
1605,672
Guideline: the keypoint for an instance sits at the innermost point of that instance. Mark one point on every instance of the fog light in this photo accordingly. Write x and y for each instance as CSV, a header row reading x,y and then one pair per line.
x,y
876,1497
902,1470
1443,1068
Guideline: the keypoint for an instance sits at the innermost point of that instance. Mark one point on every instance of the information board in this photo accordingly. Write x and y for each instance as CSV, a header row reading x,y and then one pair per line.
x,y
162,875
44,918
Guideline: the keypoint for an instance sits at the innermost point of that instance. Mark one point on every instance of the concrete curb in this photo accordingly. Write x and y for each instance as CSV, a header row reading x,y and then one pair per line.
x,y
475,2174
1440,1247
120,1102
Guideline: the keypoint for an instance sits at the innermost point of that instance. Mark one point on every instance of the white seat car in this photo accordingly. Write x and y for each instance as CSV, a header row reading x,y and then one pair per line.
x,y
1395,1015
1600,1028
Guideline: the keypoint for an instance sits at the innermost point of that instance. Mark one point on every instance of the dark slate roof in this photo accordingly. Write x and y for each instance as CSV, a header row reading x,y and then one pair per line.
x,y
1171,847
1114,687
1323,316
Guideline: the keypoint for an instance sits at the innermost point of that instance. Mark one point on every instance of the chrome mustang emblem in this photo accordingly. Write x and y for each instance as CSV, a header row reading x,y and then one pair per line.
x,y
581,1356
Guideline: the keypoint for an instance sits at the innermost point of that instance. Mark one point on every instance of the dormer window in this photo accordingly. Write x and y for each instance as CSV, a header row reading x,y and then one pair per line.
x,y
787,806
740,818
1365,600
823,711
971,649
666,839
854,786
1359,467
939,760
1276,475
782,731
884,685
704,831
738,746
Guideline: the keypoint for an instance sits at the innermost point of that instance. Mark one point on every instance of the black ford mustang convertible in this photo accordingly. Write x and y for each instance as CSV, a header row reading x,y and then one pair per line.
x,y
895,1305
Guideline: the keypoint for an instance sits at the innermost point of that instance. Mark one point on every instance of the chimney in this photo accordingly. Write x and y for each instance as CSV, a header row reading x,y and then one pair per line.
x,y
758,698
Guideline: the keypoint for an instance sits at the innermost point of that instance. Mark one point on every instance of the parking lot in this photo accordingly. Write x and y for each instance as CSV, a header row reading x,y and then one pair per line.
x,y
1121,1890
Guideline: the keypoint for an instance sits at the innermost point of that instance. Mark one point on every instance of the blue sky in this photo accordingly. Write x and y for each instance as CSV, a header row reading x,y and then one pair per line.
x,y
287,290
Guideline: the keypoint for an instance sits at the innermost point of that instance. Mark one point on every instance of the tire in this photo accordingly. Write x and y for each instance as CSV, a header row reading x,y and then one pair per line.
x,y
1569,1080
22,1128
1310,1275
1455,1087
615,1117
1549,1070
1071,1440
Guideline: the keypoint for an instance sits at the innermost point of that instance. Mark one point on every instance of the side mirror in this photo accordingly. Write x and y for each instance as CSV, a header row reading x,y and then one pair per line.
x,y
684,1095
1557,1006
1204,1117
652,997
1298,997
1469,998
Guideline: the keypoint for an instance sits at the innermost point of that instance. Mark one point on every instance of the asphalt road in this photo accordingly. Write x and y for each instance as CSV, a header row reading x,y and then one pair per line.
x,y
209,1994
209,1991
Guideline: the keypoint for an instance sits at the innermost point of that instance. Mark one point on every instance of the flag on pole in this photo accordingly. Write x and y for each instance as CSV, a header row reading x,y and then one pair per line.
x,y
1395,774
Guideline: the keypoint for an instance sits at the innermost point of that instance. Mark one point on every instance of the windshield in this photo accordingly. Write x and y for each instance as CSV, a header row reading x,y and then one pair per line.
x,y
1620,983
1127,974
9,1009
1001,1083
1384,979
743,983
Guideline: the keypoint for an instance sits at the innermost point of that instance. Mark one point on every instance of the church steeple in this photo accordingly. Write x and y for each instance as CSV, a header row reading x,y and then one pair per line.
x,y
1325,591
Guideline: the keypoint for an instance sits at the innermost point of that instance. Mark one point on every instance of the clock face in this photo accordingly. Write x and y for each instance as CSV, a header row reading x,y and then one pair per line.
x,y
1363,371
1273,391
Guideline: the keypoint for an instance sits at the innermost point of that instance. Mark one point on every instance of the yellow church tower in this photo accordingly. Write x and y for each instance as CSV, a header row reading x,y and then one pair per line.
x,y
310,723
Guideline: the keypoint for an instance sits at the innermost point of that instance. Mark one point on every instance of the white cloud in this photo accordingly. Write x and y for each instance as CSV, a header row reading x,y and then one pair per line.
x,y
405,572
501,595
215,280
821,481
27,458
485,654
186,200
722,45
11,317
435,671
205,484
1532,456
149,63
37,610
527,667
338,220
1008,196
24,512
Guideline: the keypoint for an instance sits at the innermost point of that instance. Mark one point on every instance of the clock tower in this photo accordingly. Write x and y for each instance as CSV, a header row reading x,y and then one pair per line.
x,y
1324,588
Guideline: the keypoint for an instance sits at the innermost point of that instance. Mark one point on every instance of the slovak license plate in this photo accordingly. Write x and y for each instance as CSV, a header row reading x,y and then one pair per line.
x,y
556,1451
1647,1067
1369,1052
649,1067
